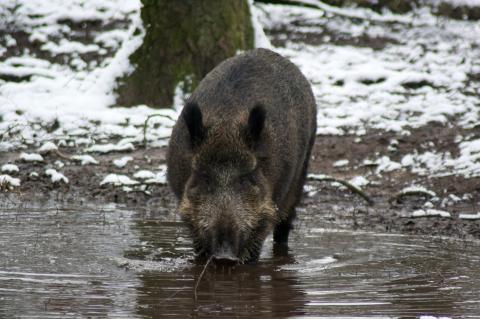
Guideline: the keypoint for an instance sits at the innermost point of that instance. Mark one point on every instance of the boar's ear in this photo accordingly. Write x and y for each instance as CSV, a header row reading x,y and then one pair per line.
x,y
256,122
193,119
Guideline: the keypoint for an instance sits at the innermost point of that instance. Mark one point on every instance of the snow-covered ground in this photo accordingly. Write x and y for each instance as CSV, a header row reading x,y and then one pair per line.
x,y
410,70
53,81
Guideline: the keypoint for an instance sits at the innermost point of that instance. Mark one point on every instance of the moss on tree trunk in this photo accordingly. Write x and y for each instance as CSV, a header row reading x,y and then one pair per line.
x,y
184,40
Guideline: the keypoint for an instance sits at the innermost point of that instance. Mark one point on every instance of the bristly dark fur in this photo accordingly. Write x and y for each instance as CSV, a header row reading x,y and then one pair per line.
x,y
238,155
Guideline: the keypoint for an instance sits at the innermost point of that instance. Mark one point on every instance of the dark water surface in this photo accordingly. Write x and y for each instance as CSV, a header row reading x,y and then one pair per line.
x,y
108,261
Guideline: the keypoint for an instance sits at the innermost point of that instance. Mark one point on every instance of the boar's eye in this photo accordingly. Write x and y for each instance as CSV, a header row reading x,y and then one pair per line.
x,y
247,179
201,181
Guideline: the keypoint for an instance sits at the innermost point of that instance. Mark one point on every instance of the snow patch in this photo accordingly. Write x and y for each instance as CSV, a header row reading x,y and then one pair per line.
x,y
10,168
160,176
56,176
118,180
385,164
85,159
9,181
469,216
431,213
341,163
359,181
417,189
121,146
121,162
433,163
31,157
144,174
47,147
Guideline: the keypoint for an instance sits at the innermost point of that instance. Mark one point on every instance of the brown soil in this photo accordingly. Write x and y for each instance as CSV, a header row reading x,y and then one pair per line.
x,y
337,207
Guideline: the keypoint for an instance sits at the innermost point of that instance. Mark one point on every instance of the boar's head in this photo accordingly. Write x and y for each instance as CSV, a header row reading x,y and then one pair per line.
x,y
227,201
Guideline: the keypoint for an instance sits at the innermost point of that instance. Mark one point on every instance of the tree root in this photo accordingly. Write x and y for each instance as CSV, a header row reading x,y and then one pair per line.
x,y
350,186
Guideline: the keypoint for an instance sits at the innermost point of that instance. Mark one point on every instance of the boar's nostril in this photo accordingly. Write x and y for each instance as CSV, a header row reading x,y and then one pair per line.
x,y
225,254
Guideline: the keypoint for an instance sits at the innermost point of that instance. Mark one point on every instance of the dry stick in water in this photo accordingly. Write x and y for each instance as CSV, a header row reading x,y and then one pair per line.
x,y
350,186
201,276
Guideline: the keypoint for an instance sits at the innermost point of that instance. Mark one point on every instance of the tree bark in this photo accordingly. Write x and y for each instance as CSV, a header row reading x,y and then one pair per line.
x,y
184,40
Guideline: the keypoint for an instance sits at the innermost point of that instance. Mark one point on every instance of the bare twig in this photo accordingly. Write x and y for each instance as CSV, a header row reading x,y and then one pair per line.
x,y
145,126
7,131
350,186
201,276
62,155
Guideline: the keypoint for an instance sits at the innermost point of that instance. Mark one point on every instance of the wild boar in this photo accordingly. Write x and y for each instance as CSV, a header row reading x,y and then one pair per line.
x,y
238,154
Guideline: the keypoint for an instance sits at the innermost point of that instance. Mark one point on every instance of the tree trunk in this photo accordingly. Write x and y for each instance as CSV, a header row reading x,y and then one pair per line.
x,y
184,40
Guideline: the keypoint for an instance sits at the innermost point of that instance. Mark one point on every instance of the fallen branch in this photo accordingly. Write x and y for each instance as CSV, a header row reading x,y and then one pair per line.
x,y
410,192
370,16
350,186
201,276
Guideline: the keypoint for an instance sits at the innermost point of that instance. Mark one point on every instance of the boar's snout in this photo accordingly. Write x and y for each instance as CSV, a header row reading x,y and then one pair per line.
x,y
225,247
225,254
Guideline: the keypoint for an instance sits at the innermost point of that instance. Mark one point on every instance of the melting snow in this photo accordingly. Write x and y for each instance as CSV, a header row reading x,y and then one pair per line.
x,y
415,189
160,177
469,216
107,148
385,164
431,213
47,147
56,176
121,162
8,181
10,168
340,163
144,174
359,181
85,159
31,157
118,180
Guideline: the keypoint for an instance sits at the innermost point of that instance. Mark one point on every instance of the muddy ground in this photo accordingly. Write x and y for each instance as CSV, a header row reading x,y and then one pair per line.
x,y
337,206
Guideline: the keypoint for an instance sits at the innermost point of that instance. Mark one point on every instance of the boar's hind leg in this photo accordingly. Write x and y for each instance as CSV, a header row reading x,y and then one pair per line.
x,y
282,230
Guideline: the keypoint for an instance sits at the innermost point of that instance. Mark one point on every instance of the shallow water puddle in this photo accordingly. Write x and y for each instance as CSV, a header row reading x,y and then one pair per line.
x,y
110,261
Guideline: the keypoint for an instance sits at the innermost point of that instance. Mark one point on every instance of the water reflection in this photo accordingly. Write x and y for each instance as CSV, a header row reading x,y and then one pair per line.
x,y
108,261
240,291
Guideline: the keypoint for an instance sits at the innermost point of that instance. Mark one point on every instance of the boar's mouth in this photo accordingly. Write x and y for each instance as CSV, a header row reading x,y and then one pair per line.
x,y
225,255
